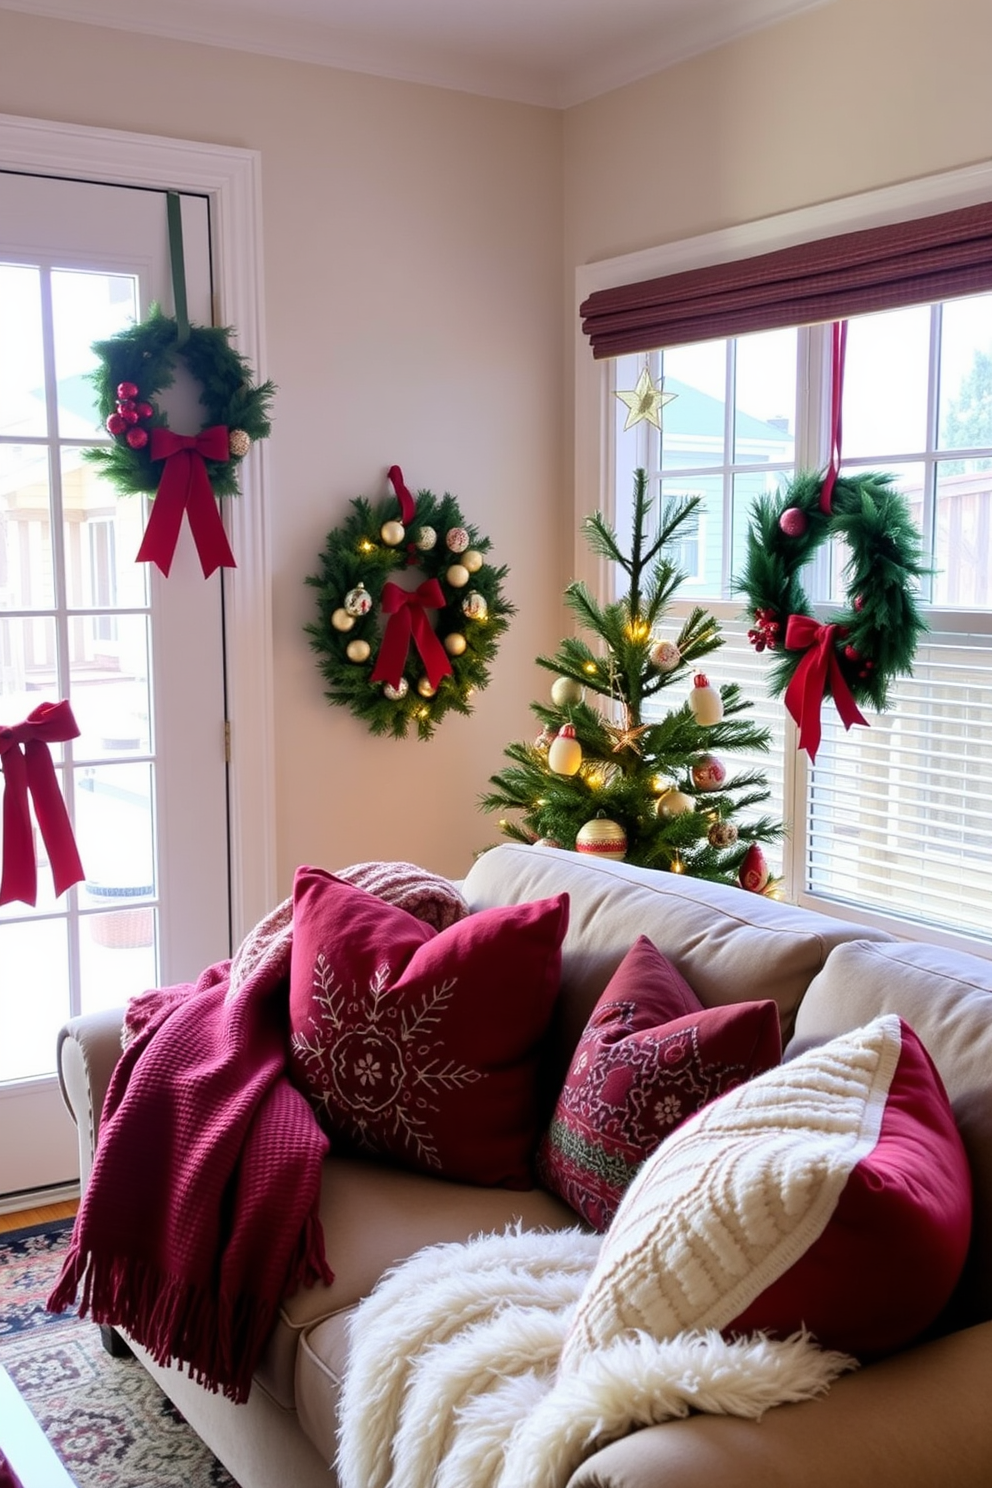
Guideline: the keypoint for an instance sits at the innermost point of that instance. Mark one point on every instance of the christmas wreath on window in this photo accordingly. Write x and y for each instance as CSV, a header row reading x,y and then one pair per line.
x,y
184,473
855,654
400,654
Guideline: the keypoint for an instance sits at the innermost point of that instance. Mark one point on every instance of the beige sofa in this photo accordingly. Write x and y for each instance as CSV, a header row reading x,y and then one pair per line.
x,y
918,1420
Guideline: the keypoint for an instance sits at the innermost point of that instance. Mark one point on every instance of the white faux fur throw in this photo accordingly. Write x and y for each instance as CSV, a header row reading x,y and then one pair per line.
x,y
453,1381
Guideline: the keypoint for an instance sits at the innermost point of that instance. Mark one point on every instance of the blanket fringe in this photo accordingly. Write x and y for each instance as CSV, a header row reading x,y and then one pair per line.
x,y
216,1339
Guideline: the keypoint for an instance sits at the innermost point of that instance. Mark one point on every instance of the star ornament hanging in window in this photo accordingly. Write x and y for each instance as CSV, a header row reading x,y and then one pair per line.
x,y
645,401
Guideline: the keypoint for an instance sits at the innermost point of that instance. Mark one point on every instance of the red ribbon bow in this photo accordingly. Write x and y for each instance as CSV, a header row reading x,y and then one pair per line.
x,y
27,768
184,486
804,694
407,622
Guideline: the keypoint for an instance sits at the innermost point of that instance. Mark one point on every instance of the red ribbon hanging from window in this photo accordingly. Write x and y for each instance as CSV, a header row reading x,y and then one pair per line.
x,y
184,486
408,621
804,694
838,352
28,770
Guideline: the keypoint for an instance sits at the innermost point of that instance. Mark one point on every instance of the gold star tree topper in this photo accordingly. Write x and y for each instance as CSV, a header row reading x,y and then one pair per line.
x,y
645,401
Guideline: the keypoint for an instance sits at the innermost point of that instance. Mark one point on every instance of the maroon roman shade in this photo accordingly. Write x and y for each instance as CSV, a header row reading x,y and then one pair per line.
x,y
855,273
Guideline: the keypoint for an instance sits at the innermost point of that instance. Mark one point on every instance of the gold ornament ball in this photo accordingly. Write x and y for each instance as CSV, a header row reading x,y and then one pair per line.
x,y
394,694
602,838
358,651
425,688
425,539
238,443
565,691
457,576
722,834
473,560
341,620
674,803
392,533
455,643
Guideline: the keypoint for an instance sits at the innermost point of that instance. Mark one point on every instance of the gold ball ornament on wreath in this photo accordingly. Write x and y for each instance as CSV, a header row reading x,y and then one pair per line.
x,y
425,655
457,575
602,838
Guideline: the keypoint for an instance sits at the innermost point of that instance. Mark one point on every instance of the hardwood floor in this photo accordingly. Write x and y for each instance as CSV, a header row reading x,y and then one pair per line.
x,y
41,1215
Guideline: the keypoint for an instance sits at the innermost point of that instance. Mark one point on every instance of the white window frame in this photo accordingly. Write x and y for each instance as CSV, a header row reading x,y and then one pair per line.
x,y
594,441
231,181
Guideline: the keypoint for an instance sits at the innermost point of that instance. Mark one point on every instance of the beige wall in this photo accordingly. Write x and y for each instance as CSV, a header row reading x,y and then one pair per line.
x,y
412,242
854,95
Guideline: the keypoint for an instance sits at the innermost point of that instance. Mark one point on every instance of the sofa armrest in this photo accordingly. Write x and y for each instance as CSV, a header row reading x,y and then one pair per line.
x,y
918,1420
88,1049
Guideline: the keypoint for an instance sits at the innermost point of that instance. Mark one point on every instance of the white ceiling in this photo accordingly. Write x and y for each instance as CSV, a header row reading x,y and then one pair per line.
x,y
550,52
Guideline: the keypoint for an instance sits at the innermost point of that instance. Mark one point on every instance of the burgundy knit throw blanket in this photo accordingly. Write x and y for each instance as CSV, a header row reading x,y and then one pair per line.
x,y
201,1212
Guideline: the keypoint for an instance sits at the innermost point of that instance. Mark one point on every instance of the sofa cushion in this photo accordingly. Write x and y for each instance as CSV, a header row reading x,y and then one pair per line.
x,y
731,946
374,1216
946,995
422,1045
830,1194
649,1057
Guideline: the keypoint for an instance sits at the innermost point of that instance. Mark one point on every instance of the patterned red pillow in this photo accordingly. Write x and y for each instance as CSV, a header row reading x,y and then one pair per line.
x,y
650,1056
418,1044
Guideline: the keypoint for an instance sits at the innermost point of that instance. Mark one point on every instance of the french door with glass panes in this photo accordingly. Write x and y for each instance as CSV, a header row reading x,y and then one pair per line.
x,y
138,656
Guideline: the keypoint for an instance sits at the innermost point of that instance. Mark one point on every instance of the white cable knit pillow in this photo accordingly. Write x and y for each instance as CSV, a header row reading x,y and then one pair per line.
x,y
730,1223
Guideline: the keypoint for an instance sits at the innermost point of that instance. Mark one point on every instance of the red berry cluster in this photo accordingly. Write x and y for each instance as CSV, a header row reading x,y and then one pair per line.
x,y
128,416
765,631
853,654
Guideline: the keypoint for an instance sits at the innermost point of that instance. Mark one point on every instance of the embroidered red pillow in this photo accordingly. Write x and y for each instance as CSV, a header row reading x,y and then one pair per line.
x,y
423,1045
650,1056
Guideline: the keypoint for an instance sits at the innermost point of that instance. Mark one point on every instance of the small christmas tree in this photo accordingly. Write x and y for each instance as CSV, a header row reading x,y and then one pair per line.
x,y
621,780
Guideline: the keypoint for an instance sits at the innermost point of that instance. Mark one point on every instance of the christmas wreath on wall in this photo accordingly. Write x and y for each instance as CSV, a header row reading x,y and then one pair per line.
x,y
857,652
380,651
183,472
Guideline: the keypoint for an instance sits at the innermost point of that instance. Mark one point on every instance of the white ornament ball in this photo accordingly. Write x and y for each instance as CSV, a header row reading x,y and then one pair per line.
x,y
474,606
457,576
473,560
455,643
358,601
602,838
565,752
394,694
664,656
425,539
392,533
565,692
457,540
705,702
341,620
425,688
358,651
674,803
708,773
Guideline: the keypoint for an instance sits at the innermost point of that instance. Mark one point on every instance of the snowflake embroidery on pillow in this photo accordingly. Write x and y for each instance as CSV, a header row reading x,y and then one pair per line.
x,y
375,1063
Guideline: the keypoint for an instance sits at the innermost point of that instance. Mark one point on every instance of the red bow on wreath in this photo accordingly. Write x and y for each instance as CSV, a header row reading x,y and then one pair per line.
x,y
184,486
28,770
804,694
407,621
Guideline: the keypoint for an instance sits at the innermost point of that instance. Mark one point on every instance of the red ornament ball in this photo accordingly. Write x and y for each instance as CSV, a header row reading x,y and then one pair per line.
x,y
116,424
754,873
145,410
137,438
708,773
127,390
793,521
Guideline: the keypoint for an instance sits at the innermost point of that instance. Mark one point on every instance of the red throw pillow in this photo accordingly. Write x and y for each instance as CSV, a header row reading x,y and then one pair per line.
x,y
890,1256
418,1044
649,1057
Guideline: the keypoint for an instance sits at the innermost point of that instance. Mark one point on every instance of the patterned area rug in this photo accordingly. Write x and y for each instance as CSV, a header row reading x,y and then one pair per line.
x,y
106,1418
